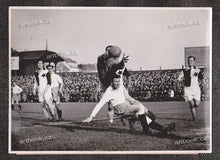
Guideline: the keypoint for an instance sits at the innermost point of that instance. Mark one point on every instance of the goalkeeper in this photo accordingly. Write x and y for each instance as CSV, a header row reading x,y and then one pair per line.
x,y
107,64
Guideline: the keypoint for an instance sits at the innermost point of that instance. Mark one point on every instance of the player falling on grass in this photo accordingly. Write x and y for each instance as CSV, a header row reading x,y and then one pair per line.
x,y
105,69
56,84
16,95
191,76
124,104
44,92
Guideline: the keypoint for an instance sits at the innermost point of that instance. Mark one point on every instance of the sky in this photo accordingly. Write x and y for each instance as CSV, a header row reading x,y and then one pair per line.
x,y
147,35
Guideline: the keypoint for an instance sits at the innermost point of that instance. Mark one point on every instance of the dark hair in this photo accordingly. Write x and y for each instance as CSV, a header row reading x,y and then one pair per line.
x,y
108,47
192,57
115,76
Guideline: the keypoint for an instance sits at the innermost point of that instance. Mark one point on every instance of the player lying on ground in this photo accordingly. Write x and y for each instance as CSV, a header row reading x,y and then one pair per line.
x,y
124,104
105,68
192,93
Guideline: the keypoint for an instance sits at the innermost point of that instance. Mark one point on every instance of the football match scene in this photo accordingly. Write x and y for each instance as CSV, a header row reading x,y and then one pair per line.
x,y
109,80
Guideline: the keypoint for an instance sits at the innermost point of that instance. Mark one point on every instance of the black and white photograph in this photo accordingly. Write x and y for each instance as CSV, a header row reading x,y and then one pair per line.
x,y
110,80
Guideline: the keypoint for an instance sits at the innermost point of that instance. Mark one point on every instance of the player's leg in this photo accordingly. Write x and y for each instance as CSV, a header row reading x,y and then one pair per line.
x,y
196,101
45,111
43,105
188,95
139,109
150,117
197,97
164,130
59,111
110,113
17,104
56,101
12,102
51,104
132,121
52,109
17,101
193,109
150,121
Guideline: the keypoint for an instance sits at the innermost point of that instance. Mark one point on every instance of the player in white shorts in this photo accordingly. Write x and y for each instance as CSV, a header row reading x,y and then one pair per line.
x,y
192,93
16,95
56,88
124,104
44,92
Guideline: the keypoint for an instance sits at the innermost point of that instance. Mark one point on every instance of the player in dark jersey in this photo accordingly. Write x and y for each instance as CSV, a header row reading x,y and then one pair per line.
x,y
108,64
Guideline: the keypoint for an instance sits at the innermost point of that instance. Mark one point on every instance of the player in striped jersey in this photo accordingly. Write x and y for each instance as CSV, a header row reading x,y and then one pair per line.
x,y
44,92
192,93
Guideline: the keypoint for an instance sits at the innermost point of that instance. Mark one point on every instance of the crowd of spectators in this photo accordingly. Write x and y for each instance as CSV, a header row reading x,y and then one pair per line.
x,y
156,85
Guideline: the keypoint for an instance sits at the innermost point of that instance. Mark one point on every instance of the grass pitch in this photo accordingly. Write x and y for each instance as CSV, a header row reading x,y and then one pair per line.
x,y
31,133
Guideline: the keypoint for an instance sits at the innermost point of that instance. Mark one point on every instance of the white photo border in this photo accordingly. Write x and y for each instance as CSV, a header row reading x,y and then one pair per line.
x,y
192,152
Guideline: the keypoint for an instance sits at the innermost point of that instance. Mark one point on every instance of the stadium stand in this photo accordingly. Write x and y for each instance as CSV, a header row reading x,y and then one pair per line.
x,y
155,85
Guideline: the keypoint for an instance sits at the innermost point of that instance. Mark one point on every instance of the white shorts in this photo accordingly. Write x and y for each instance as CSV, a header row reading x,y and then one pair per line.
x,y
55,94
44,96
127,109
191,93
16,98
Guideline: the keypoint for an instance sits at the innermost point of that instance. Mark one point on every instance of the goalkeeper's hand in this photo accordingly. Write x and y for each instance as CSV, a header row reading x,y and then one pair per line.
x,y
87,120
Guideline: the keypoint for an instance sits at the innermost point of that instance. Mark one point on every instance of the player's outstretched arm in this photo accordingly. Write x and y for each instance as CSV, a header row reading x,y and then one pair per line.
x,y
87,120
105,98
94,112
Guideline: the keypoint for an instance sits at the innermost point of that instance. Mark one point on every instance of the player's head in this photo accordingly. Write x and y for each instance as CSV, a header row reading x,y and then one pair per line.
x,y
50,68
113,51
116,81
191,61
46,64
40,64
53,64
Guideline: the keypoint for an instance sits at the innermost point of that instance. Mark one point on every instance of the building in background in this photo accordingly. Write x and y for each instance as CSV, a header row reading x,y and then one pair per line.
x,y
25,63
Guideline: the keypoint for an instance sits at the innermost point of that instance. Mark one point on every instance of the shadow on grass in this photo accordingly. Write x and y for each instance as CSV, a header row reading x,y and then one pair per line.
x,y
180,119
71,126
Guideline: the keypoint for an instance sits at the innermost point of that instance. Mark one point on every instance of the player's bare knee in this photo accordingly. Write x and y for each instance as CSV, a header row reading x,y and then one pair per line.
x,y
141,109
197,102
